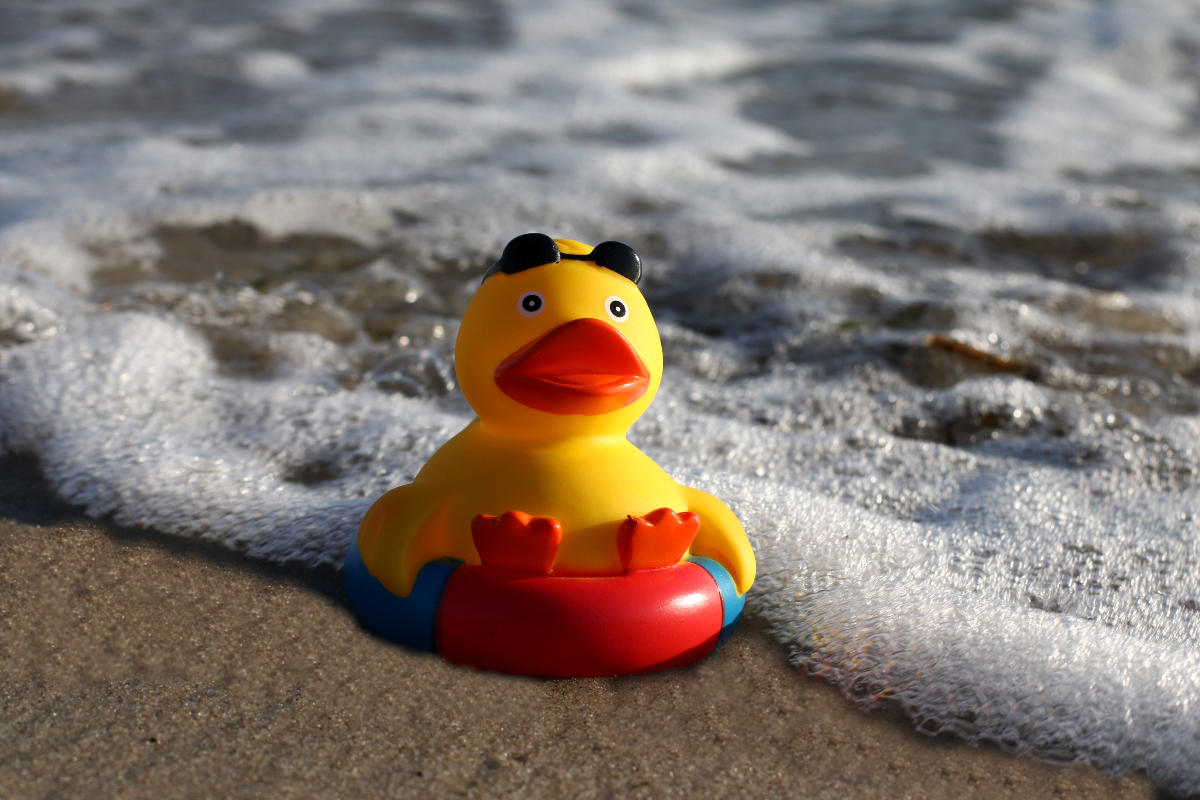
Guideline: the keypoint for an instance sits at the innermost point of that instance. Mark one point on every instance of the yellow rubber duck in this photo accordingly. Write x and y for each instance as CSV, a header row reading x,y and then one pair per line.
x,y
559,355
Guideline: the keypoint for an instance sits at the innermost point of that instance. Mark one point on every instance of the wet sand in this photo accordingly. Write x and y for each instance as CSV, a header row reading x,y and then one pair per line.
x,y
135,665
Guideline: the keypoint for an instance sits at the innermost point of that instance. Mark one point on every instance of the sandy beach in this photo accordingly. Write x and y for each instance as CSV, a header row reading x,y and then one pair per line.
x,y
134,665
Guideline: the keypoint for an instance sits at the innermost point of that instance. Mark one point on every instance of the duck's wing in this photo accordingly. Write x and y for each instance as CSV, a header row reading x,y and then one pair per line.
x,y
403,531
722,537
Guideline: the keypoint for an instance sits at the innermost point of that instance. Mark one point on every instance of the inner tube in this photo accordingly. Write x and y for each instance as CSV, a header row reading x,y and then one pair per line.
x,y
554,627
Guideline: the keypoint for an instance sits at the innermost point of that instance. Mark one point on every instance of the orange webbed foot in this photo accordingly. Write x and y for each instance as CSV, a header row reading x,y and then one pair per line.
x,y
657,540
516,541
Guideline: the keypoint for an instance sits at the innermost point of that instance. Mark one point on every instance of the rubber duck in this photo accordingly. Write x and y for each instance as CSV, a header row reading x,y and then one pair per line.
x,y
559,355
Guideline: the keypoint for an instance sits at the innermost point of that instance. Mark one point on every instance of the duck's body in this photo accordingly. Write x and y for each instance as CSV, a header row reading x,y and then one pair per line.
x,y
589,486
558,360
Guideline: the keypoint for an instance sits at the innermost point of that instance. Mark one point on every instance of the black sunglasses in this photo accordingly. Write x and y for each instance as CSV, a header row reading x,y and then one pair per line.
x,y
531,250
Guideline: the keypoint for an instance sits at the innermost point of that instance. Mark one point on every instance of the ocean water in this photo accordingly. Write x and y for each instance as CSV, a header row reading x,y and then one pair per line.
x,y
926,271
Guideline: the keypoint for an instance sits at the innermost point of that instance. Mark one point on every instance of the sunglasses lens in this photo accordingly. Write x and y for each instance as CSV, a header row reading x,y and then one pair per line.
x,y
620,258
526,252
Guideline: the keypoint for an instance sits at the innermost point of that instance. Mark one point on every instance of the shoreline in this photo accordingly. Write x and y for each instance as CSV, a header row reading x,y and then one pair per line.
x,y
138,665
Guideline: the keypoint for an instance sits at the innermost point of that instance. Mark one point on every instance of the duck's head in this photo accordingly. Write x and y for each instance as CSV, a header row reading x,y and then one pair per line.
x,y
558,341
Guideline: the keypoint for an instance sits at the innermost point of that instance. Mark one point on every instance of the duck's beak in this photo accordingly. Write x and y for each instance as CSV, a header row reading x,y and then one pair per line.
x,y
582,367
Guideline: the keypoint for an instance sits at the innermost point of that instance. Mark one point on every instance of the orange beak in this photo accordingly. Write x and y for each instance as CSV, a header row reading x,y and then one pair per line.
x,y
583,367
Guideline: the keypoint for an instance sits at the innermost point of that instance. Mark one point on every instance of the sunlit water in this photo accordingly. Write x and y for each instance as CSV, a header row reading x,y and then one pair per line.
x,y
926,275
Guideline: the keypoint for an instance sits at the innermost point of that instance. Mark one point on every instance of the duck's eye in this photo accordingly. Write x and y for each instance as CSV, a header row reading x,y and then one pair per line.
x,y
531,304
616,308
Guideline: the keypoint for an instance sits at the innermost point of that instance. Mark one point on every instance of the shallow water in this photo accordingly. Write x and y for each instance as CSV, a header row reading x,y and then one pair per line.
x,y
926,275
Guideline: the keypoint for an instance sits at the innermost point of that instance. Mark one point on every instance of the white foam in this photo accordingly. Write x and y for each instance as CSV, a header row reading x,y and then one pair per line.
x,y
272,68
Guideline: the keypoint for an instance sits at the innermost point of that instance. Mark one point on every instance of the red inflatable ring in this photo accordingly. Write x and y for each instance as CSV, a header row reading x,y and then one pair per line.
x,y
555,627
